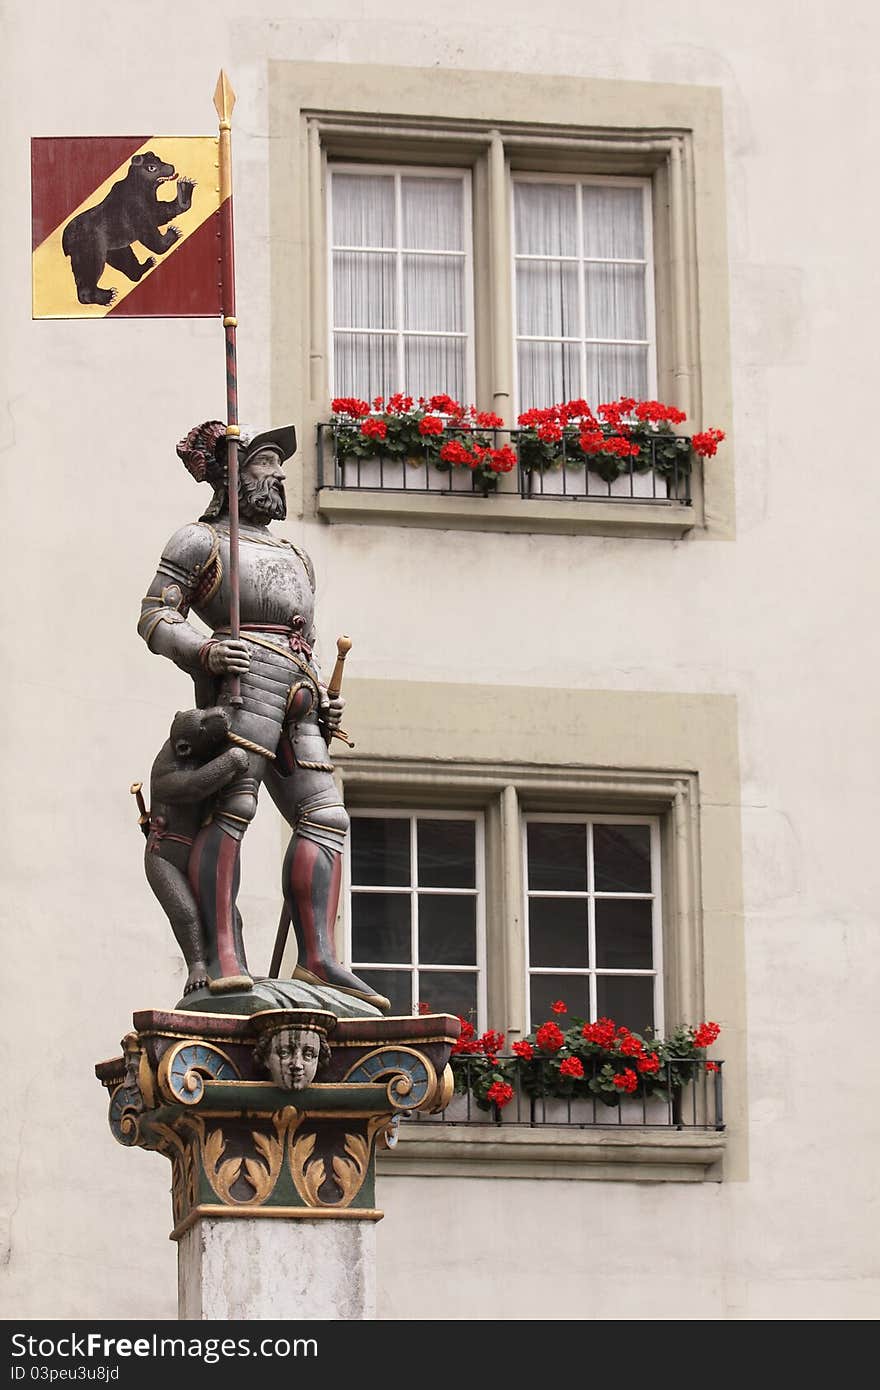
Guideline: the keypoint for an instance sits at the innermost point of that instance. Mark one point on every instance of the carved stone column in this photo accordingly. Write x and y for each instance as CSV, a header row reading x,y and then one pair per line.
x,y
273,1172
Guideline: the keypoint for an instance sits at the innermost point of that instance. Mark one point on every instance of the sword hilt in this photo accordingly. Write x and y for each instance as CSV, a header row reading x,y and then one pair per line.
x,y
144,816
343,647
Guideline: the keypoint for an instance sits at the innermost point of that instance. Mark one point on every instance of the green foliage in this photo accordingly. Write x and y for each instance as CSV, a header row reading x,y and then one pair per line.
x,y
584,1061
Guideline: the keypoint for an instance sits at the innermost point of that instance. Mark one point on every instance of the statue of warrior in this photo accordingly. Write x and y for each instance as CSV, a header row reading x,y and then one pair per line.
x,y
284,720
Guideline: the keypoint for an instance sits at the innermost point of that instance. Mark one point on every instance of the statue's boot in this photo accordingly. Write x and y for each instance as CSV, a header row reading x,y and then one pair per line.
x,y
214,873
312,880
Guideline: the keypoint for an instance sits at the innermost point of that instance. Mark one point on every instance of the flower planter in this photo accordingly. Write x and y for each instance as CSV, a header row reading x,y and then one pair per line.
x,y
372,473
403,475
578,1111
584,482
637,1112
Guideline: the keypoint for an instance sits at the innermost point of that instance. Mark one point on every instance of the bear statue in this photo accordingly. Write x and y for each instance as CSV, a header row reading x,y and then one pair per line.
x,y
189,769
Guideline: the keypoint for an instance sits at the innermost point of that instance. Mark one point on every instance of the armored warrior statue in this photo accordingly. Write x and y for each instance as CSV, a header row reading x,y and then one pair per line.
x,y
284,719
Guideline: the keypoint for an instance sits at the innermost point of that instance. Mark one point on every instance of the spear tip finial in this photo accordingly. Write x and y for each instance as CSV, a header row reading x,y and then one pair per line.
x,y
224,97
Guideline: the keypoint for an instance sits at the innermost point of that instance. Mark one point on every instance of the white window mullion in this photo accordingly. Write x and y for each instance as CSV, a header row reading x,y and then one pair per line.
x,y
415,983
591,924
657,922
398,237
582,330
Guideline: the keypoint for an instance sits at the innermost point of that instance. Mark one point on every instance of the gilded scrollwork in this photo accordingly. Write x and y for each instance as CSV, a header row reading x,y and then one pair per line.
x,y
349,1168
210,1109
182,1150
257,1170
184,1067
126,1108
412,1080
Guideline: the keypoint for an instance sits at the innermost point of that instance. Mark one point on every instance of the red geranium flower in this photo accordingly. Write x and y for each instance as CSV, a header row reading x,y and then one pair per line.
x,y
431,424
706,443
374,429
626,1080
572,1066
549,1037
578,410
591,441
468,1042
601,1032
488,420
649,1064
630,1046
446,405
491,1042
454,452
349,405
705,1034
502,460
524,1049
500,1093
712,1066
559,1006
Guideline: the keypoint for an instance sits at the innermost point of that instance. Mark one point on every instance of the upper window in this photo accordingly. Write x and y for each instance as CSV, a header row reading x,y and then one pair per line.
x,y
584,289
525,245
400,285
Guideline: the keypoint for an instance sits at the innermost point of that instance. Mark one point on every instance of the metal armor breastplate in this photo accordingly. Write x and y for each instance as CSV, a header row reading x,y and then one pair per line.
x,y
274,584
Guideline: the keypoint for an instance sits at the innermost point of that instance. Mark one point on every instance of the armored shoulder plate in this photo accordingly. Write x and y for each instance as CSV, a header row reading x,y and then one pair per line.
x,y
190,552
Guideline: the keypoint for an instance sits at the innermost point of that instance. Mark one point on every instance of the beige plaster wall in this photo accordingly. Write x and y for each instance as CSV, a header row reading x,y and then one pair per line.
x,y
777,619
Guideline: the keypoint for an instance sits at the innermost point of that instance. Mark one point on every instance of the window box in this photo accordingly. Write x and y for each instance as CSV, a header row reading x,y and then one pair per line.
x,y
570,481
412,474
554,475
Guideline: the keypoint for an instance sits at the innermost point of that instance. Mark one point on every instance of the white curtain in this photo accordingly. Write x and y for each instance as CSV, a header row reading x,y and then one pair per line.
x,y
400,320
581,308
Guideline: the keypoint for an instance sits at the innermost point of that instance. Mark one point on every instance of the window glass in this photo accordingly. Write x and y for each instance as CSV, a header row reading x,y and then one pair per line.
x,y
583,287
415,910
593,932
400,277
447,853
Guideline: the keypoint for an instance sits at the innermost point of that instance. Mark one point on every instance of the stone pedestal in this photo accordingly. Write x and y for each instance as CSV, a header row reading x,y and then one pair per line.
x,y
273,1174
252,1269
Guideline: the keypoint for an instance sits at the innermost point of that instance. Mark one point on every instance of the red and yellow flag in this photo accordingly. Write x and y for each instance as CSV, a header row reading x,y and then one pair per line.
x,y
126,225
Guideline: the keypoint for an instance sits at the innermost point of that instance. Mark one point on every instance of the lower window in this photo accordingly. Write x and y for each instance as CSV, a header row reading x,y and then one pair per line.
x,y
416,919
418,904
593,928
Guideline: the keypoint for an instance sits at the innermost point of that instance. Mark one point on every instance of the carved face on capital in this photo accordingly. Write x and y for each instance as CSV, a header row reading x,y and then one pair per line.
x,y
291,1057
261,495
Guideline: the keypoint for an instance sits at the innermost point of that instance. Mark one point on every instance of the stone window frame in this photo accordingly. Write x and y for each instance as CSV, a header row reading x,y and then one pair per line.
x,y
669,752
505,793
505,122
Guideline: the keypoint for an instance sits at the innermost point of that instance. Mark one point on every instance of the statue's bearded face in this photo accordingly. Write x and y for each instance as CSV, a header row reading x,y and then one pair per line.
x,y
261,488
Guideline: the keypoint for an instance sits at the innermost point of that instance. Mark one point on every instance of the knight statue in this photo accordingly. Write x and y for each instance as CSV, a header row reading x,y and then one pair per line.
x,y
283,722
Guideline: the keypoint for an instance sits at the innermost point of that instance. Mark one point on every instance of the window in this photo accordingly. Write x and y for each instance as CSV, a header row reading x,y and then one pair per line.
x,y
623,839
593,918
360,163
415,920
401,301
584,289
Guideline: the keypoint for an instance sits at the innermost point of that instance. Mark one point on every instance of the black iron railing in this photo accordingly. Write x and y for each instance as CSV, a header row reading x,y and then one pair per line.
x,y
661,480
689,1096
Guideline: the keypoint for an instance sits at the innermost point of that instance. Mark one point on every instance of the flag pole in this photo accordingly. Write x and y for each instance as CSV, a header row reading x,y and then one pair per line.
x,y
224,100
